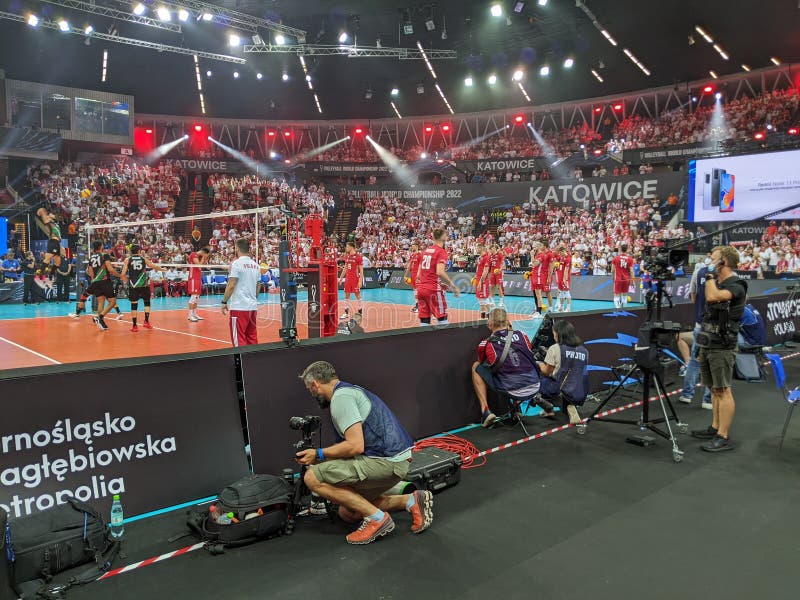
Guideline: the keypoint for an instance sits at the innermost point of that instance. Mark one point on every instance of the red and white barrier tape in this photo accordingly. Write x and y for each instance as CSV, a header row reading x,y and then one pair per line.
x,y
149,561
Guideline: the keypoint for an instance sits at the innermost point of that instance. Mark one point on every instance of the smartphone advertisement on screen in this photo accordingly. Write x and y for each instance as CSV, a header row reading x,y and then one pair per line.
x,y
738,188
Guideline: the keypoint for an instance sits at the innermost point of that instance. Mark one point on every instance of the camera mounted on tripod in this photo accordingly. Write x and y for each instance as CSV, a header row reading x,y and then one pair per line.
x,y
661,263
307,425
654,336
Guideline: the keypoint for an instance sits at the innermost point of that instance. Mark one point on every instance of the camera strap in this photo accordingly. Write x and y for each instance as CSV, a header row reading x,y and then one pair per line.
x,y
499,362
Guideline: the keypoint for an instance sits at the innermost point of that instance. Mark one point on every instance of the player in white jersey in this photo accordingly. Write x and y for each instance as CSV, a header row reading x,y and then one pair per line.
x,y
241,296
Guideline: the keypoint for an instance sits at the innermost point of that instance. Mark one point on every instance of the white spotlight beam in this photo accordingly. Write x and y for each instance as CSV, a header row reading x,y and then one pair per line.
x,y
112,13
404,175
164,149
320,149
255,166
128,41
225,16
477,140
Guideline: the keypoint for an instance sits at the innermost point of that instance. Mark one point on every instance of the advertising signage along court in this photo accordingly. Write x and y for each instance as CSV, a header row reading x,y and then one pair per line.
x,y
470,197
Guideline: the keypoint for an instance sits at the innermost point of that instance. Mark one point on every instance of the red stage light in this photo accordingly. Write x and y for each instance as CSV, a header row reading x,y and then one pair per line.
x,y
519,118
270,133
428,129
287,134
446,127
358,131
708,89
148,131
793,131
598,109
198,128
759,136
598,152
287,161
618,107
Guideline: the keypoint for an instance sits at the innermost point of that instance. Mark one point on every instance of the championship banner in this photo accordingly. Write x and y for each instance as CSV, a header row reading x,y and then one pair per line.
x,y
679,152
471,197
504,165
749,232
326,168
157,434
11,292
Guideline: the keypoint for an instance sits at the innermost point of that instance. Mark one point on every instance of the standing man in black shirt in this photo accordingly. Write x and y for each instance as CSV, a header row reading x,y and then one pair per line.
x,y
64,273
29,278
726,295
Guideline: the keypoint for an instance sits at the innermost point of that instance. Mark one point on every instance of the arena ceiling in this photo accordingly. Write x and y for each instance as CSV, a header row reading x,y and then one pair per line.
x,y
657,33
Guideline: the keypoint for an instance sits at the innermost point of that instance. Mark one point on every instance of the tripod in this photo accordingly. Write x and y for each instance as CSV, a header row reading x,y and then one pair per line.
x,y
302,499
653,336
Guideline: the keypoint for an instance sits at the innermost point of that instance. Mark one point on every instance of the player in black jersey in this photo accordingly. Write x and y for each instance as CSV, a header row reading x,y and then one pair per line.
x,y
134,273
52,258
101,287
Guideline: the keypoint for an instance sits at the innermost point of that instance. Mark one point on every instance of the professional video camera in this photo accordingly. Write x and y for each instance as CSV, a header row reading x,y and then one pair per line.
x,y
661,263
308,425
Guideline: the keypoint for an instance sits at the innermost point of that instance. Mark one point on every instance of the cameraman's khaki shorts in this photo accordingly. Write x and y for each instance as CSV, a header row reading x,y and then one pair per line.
x,y
716,367
370,477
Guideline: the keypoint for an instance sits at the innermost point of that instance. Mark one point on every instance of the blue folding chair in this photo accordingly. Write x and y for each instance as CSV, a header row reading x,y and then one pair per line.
x,y
791,396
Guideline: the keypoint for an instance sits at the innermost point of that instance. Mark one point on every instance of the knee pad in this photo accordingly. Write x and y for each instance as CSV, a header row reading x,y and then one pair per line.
x,y
134,306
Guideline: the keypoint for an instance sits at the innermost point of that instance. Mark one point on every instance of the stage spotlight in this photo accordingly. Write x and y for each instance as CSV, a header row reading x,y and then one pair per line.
x,y
287,134
343,37
598,109
694,98
285,77
568,63
468,81
280,40
492,79
33,20
618,107
139,9
210,139
234,40
542,2
259,76
518,75
273,155
208,73
793,131
236,74
424,155
358,131
497,10
759,136
769,126
287,161
185,137
63,25
718,95
708,89
519,119
163,13
207,16
446,127
148,131
198,128
394,92
271,133
89,30
544,71
428,129
598,152
518,7
183,15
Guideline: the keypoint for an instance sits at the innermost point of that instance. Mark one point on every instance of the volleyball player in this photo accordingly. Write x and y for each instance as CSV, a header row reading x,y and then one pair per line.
x,y
412,267
497,263
482,281
52,257
134,273
538,276
353,274
430,294
563,273
194,286
244,279
100,270
622,273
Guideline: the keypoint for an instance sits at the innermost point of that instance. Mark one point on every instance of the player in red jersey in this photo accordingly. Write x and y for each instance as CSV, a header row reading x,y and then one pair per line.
x,y
194,287
353,275
538,276
562,269
547,272
497,263
430,294
482,281
622,273
412,267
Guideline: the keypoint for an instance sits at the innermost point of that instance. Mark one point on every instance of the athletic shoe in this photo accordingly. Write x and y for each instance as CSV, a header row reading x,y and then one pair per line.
x,y
345,315
682,371
414,309
193,319
707,405
536,315
361,311
119,316
96,321
371,530
147,325
704,434
73,315
685,399
422,511
574,415
135,328
102,324
717,444
198,317
487,418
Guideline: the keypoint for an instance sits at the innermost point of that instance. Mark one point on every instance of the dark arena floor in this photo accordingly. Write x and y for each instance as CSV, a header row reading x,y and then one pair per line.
x,y
563,516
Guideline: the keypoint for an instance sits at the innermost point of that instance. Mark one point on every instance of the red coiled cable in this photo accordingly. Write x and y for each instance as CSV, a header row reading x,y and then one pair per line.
x,y
452,443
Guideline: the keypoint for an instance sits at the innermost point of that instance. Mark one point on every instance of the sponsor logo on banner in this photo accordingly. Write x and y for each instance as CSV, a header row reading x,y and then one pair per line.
x,y
508,164
579,193
781,316
201,165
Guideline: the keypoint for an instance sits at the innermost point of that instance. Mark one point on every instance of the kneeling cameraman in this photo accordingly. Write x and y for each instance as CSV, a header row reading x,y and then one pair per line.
x,y
566,368
372,454
506,364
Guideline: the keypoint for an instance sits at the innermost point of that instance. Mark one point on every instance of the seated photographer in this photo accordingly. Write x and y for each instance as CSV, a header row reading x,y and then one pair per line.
x,y
565,370
372,454
512,371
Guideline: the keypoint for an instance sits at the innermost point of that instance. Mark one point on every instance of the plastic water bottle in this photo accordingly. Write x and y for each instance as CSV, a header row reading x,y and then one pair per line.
x,y
225,519
117,527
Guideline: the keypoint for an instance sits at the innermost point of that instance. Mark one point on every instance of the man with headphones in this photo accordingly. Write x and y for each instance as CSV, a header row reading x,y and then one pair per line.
x,y
726,296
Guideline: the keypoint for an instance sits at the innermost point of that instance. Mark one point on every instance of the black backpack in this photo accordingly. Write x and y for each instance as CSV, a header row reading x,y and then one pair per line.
x,y
270,495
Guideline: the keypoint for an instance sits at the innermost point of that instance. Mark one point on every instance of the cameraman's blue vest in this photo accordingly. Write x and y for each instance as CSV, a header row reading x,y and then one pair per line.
x,y
384,436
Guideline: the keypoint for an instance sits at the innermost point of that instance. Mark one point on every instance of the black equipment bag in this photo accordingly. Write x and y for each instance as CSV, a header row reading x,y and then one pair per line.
x,y
270,494
6,593
58,539
434,469
746,367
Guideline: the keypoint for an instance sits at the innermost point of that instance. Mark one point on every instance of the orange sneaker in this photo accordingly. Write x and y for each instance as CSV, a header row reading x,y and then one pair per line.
x,y
134,329
147,325
422,511
371,530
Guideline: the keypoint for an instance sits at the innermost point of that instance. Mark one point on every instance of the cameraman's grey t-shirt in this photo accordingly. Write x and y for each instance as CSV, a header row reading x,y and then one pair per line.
x,y
350,405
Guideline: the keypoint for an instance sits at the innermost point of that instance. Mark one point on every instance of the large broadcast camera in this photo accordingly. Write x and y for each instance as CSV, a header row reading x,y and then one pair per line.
x,y
661,263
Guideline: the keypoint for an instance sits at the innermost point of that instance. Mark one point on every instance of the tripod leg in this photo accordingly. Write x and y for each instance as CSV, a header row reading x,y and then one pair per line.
x,y
677,453
602,404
